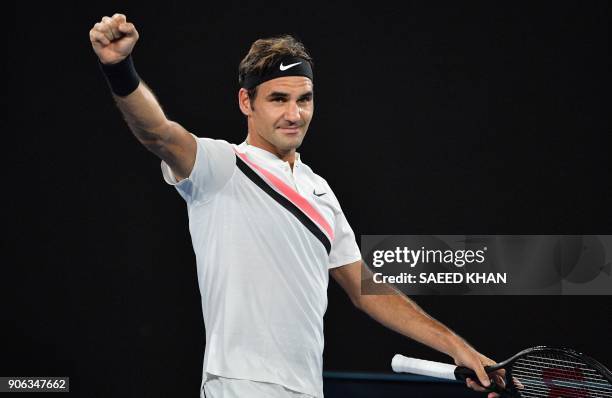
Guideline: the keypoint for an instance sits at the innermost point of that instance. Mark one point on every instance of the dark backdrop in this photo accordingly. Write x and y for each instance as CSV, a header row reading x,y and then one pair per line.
x,y
432,117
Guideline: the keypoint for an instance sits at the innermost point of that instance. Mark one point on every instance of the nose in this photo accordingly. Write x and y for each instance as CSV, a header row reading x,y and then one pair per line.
x,y
292,113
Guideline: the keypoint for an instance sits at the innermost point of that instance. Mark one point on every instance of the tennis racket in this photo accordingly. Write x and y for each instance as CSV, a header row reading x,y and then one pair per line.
x,y
535,372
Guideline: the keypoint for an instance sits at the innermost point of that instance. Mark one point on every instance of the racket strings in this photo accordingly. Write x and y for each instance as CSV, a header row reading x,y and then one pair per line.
x,y
526,379
533,387
552,374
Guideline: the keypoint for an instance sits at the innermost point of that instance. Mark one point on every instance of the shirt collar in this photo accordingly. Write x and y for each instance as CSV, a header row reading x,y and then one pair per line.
x,y
263,154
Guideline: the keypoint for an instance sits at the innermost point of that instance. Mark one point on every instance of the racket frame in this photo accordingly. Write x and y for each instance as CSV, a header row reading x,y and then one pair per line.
x,y
511,390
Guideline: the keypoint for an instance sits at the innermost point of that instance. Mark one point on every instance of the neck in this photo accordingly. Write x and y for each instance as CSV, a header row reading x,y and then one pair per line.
x,y
286,156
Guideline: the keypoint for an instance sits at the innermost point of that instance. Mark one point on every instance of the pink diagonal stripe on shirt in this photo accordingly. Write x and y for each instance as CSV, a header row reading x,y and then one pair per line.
x,y
293,196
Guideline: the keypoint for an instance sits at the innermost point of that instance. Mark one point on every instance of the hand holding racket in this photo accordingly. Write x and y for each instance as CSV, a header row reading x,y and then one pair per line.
x,y
478,379
535,372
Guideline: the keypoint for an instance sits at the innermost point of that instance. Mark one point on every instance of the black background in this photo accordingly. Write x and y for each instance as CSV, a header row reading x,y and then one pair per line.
x,y
431,117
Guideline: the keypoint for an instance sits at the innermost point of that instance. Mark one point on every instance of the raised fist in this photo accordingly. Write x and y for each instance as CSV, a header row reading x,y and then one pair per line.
x,y
113,39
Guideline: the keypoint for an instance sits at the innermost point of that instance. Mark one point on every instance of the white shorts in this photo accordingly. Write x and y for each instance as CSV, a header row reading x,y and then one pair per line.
x,y
222,387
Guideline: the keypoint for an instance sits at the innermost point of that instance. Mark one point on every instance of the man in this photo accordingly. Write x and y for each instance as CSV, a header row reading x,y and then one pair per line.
x,y
266,230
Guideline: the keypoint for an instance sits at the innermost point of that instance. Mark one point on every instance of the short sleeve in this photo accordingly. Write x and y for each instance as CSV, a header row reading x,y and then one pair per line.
x,y
344,249
214,165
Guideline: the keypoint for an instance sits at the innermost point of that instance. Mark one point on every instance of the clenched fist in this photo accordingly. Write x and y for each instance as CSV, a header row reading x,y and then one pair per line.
x,y
113,39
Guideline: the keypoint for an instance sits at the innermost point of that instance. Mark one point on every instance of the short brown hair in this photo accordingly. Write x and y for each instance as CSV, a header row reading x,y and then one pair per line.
x,y
266,52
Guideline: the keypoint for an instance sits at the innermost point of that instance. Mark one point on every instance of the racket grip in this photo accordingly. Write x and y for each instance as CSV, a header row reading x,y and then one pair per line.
x,y
400,363
462,373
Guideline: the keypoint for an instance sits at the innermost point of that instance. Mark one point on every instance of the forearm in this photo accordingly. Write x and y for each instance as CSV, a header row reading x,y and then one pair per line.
x,y
404,316
143,114
135,100
113,40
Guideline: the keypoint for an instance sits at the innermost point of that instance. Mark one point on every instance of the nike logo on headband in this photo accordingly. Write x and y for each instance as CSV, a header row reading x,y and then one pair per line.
x,y
283,67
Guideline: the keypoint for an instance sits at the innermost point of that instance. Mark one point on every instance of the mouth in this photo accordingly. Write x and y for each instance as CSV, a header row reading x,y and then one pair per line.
x,y
290,130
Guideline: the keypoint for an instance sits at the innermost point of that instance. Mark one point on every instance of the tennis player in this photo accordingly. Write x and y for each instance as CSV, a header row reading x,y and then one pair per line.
x,y
266,230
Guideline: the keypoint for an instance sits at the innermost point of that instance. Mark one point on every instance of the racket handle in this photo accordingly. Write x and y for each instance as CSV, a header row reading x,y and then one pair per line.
x,y
400,363
462,373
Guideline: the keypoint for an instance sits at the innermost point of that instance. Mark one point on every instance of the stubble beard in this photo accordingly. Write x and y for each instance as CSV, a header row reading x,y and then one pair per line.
x,y
289,143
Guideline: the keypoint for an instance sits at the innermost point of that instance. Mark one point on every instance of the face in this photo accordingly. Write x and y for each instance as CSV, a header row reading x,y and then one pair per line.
x,y
279,116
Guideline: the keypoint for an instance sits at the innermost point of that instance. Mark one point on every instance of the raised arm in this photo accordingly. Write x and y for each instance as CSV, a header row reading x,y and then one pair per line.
x,y
113,40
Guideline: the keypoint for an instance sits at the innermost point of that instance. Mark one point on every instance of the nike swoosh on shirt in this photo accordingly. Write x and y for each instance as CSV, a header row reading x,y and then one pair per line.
x,y
285,67
318,194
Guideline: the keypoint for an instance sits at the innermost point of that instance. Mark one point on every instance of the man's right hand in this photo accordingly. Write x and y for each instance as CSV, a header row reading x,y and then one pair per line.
x,y
113,39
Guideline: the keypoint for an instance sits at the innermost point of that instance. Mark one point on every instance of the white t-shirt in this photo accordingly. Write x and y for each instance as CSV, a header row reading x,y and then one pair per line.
x,y
265,238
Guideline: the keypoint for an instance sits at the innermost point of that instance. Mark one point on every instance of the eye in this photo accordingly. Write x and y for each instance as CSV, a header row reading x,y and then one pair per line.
x,y
278,99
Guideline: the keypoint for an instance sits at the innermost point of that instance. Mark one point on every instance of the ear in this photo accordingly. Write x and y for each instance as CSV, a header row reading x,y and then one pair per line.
x,y
244,102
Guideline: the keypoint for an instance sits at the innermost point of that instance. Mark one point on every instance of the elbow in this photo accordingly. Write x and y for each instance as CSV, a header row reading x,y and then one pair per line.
x,y
366,303
357,300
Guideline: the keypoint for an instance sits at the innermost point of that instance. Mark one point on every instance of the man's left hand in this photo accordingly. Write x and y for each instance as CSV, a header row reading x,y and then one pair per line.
x,y
470,358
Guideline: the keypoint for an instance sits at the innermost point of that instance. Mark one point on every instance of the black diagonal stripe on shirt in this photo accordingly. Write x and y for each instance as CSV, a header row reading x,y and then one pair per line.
x,y
286,203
